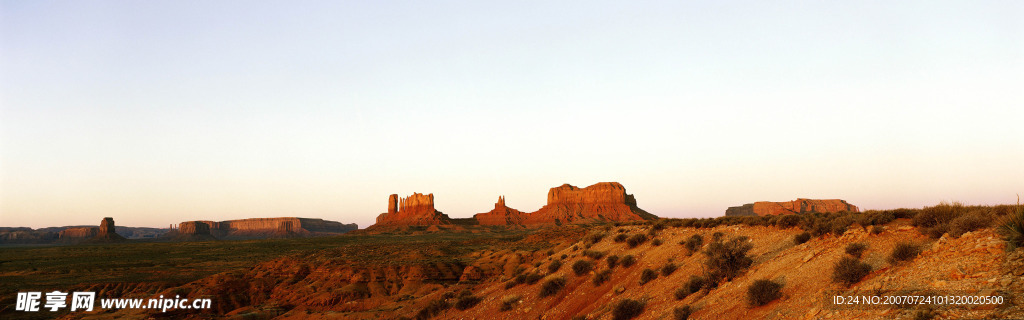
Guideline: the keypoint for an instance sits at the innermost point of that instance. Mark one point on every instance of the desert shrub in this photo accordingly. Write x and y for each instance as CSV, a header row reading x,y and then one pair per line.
x,y
467,302
877,230
681,293
725,260
511,284
552,286
934,221
801,238
647,276
627,261
551,252
581,267
532,278
601,277
668,269
564,256
717,236
763,291
694,284
627,309
636,240
656,242
904,251
974,220
787,221
840,224
682,313
1012,229
856,249
433,308
612,261
580,317
593,254
508,302
594,238
879,218
849,271
554,266
620,238
693,244
926,314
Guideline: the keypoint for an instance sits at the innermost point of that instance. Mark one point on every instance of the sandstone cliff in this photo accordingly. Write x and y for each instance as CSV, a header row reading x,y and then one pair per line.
x,y
259,228
800,205
415,210
78,233
605,201
501,215
106,232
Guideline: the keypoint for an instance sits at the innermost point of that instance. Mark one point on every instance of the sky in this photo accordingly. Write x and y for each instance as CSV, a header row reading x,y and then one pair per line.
x,y
157,112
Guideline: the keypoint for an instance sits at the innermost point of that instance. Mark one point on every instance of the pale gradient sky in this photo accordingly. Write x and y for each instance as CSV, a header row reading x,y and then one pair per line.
x,y
156,112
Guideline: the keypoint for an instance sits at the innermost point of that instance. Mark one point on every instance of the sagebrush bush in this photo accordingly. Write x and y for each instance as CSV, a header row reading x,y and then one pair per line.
x,y
788,221
612,261
647,276
466,302
668,269
627,309
656,242
581,267
681,293
508,302
627,261
973,220
554,266
593,254
433,308
801,238
552,286
717,236
1012,229
904,251
856,249
620,237
725,260
877,230
763,291
849,271
601,277
594,238
636,240
695,284
693,244
937,215
682,313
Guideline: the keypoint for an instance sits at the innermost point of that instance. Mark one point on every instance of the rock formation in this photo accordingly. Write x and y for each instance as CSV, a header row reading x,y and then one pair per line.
x,y
415,210
260,228
605,201
79,233
800,205
501,215
106,232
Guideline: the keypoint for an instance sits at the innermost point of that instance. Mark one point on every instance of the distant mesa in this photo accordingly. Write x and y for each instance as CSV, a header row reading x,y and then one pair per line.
x,y
78,233
798,206
414,210
257,228
601,202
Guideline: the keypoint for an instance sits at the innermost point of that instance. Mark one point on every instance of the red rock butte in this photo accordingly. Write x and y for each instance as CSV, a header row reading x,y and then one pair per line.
x,y
601,202
798,206
414,210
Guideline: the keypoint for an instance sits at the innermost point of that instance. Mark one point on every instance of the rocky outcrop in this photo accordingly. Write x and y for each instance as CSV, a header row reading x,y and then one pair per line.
x,y
501,215
107,232
415,210
79,233
261,228
601,202
605,201
798,206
